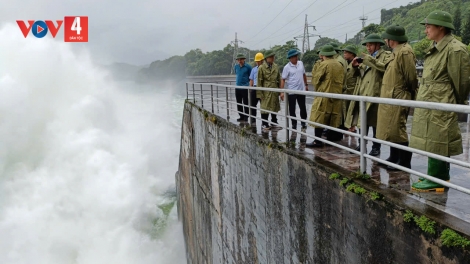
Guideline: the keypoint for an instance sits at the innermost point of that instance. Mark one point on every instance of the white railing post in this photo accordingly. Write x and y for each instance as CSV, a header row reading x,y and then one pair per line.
x,y
194,94
286,113
202,98
226,100
363,131
217,95
212,99
249,105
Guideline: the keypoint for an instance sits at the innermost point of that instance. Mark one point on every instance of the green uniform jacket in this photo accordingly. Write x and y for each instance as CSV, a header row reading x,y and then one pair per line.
x,y
400,82
341,60
269,78
327,77
350,84
369,81
445,80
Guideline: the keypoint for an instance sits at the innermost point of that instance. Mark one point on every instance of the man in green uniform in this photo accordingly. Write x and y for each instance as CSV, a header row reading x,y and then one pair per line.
x,y
400,81
338,56
370,73
269,77
349,53
445,80
327,77
336,136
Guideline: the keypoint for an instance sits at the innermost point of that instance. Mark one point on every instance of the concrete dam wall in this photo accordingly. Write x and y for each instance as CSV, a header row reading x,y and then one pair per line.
x,y
244,199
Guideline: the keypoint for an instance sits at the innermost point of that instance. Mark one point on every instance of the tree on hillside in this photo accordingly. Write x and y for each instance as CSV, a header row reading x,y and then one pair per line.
x,y
466,30
323,41
372,28
457,20
309,58
281,53
420,48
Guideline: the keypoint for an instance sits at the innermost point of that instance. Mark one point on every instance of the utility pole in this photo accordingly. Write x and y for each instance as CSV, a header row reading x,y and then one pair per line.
x,y
364,19
235,50
306,37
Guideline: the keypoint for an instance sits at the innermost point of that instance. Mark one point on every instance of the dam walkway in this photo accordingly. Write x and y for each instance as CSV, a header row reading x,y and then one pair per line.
x,y
216,95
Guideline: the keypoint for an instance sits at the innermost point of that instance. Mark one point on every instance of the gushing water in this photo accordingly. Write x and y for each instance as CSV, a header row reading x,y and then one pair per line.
x,y
85,165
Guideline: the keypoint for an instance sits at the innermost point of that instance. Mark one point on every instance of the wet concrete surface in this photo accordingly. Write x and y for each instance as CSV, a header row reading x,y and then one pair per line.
x,y
451,201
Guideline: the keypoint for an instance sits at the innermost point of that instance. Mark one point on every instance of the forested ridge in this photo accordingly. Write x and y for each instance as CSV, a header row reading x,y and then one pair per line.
x,y
196,62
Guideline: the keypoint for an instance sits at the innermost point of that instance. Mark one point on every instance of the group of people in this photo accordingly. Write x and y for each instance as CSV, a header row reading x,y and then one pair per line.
x,y
266,74
377,73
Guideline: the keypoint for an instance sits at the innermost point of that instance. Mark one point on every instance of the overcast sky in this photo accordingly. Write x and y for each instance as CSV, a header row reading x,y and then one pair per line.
x,y
142,31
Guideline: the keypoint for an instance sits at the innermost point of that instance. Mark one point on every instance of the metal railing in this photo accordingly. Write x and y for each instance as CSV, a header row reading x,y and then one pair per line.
x,y
225,101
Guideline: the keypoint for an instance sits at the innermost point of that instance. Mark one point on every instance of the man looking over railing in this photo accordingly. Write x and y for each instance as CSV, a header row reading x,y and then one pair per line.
x,y
294,73
242,71
327,77
350,79
445,80
400,82
370,70
269,77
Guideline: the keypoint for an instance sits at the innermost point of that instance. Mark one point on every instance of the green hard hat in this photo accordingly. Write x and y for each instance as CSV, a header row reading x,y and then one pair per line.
x,y
351,48
327,50
241,56
269,53
373,38
335,45
439,18
395,33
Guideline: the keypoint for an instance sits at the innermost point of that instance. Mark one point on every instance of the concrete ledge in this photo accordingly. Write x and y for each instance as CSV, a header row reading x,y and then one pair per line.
x,y
244,199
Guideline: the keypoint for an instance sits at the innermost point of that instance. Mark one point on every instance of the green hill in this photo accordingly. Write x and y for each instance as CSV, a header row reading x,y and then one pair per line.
x,y
409,16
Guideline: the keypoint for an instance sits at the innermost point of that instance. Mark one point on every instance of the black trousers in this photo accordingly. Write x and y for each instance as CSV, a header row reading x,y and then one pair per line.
x,y
265,117
242,98
375,145
318,132
254,103
300,100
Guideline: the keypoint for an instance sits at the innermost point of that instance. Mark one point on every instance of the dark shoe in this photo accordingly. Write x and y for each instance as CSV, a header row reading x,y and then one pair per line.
x,y
314,144
404,158
394,155
374,152
393,158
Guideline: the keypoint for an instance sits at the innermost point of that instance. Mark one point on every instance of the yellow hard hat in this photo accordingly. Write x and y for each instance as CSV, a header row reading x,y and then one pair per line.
x,y
259,57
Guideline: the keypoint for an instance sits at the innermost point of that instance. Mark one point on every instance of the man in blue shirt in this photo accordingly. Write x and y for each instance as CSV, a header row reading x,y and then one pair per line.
x,y
294,74
242,70
253,80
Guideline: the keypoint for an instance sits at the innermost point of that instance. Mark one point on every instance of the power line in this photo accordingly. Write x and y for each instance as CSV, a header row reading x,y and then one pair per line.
x,y
288,22
273,19
355,18
331,11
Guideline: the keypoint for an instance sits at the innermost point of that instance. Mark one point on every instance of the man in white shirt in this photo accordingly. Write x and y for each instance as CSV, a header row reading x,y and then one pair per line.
x,y
294,75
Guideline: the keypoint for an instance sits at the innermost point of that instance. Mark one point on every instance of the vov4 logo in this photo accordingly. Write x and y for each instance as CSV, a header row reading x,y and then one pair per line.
x,y
75,28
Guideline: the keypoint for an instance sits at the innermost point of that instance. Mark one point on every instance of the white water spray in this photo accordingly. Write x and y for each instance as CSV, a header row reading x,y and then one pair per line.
x,y
83,163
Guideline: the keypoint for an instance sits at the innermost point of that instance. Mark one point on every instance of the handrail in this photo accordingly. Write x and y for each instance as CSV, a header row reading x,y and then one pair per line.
x,y
363,100
377,100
